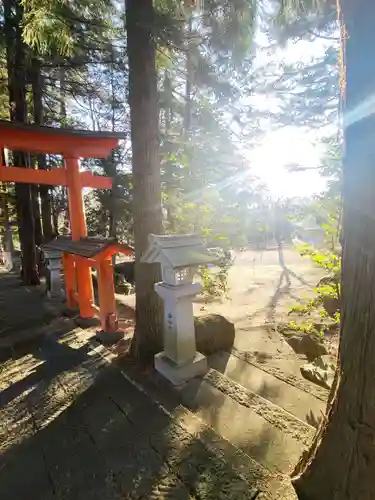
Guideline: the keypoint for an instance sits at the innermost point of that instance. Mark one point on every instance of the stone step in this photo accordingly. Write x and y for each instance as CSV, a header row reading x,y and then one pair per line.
x,y
271,483
197,452
297,400
283,367
267,433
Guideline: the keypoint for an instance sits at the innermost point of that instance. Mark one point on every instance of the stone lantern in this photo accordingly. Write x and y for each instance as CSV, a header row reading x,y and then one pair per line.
x,y
179,257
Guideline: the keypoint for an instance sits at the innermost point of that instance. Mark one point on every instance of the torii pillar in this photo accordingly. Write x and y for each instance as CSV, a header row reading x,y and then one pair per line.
x,y
79,230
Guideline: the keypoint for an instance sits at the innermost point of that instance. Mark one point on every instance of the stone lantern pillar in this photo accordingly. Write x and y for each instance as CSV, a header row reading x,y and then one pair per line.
x,y
8,249
179,257
53,263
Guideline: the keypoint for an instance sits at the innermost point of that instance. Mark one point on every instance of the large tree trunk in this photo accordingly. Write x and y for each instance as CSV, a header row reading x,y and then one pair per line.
x,y
143,100
341,463
16,65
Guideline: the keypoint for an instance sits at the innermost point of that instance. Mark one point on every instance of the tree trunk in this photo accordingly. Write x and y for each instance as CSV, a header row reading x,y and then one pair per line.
x,y
55,219
16,65
143,100
189,79
63,112
113,213
44,191
46,207
113,204
341,462
4,213
38,232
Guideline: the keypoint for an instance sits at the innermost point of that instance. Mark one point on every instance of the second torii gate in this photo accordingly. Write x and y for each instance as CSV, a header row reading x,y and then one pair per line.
x,y
72,145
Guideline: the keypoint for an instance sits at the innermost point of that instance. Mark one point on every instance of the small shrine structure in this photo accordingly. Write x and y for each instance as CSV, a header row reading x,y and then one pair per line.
x,y
93,253
179,257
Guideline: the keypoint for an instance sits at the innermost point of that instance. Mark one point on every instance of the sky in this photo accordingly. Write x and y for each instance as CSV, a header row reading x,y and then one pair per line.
x,y
288,145
283,147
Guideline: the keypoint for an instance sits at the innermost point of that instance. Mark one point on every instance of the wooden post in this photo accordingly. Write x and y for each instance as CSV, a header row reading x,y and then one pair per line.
x,y
79,230
76,207
69,278
107,301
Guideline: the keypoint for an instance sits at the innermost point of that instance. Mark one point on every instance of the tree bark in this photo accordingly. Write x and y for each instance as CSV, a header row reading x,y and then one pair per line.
x,y
16,65
189,80
63,112
4,212
38,232
113,204
44,191
143,100
341,462
55,219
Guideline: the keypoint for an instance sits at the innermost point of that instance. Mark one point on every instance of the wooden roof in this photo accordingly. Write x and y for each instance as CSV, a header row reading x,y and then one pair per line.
x,y
50,140
86,247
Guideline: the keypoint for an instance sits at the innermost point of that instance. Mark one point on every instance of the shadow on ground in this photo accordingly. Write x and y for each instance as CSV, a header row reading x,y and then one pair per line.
x,y
70,431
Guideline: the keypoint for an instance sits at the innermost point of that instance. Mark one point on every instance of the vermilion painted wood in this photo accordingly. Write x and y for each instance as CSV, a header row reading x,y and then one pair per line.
x,y
79,230
112,250
55,177
70,281
72,145
56,141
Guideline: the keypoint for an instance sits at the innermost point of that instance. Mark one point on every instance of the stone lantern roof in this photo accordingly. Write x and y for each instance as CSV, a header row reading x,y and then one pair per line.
x,y
177,251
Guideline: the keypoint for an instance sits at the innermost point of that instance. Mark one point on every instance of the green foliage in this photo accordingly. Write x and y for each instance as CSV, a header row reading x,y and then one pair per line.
x,y
65,28
202,167
297,17
327,211
329,287
215,284
204,64
327,260
306,309
304,327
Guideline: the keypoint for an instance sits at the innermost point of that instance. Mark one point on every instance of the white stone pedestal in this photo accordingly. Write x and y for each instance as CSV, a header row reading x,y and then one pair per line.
x,y
8,260
180,360
178,375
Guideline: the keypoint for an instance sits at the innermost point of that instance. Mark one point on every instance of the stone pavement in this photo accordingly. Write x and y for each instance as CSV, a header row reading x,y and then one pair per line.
x,y
23,311
73,425
78,429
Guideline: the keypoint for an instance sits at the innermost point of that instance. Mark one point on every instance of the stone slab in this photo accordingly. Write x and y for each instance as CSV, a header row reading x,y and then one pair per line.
x,y
109,338
87,322
242,426
294,400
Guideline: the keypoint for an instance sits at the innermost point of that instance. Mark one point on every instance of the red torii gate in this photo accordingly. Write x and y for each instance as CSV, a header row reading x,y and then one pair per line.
x,y
72,145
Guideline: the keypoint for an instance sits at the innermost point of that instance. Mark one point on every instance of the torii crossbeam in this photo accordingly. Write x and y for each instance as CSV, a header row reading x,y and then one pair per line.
x,y
72,145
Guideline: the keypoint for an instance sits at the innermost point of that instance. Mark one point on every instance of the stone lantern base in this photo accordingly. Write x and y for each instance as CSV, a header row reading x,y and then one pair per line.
x,y
178,375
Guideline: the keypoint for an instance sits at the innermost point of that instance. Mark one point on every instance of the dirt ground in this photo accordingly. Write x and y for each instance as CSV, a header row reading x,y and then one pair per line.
x,y
263,286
